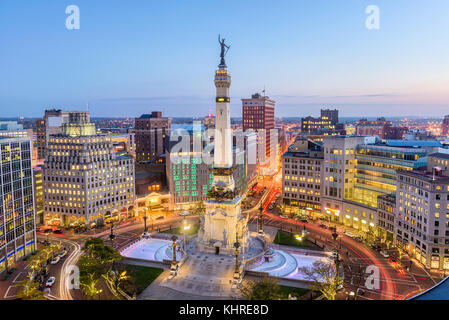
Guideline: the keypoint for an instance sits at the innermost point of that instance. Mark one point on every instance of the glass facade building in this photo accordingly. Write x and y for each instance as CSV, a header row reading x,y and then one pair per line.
x,y
17,213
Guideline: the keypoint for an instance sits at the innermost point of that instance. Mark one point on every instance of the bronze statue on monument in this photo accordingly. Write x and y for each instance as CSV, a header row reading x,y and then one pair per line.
x,y
224,50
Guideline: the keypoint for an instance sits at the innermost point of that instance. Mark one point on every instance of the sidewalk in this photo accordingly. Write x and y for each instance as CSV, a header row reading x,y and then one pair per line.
x,y
8,288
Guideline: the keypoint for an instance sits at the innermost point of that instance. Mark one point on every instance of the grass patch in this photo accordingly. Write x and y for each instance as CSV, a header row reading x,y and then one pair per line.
x,y
284,291
143,276
288,239
180,231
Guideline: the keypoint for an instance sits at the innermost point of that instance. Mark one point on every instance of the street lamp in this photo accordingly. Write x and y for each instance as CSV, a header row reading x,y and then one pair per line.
x,y
261,231
236,252
112,235
174,263
145,230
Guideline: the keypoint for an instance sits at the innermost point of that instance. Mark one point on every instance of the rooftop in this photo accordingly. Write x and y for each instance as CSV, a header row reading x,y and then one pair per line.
x,y
440,155
413,143
426,175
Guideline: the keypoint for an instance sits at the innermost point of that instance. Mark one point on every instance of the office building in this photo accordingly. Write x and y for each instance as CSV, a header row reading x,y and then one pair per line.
x,y
445,126
17,213
422,213
50,124
302,167
258,116
84,182
150,136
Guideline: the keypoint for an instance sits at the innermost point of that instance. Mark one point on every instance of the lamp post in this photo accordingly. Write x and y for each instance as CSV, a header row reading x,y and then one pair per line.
x,y
112,235
174,263
237,265
261,231
145,230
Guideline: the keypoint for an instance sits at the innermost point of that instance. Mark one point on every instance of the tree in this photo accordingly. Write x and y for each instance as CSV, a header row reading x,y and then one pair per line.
x,y
29,289
324,277
264,289
97,262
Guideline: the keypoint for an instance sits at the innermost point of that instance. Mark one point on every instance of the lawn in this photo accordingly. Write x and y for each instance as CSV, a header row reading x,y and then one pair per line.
x,y
284,291
143,276
179,230
288,239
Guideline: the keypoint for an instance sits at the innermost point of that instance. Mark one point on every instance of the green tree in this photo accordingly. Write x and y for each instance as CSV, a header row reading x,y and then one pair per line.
x,y
324,277
264,289
98,262
29,289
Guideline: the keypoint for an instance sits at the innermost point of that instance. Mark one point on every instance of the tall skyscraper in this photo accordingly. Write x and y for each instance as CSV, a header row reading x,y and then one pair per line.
x,y
84,181
258,115
17,214
150,136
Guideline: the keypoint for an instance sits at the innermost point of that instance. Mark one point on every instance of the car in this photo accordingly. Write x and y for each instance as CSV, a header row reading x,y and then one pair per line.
x,y
283,216
303,220
334,255
358,239
57,231
62,254
349,234
384,254
322,226
50,282
55,260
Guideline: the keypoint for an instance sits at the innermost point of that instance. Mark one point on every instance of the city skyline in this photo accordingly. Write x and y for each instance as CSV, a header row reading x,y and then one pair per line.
x,y
131,60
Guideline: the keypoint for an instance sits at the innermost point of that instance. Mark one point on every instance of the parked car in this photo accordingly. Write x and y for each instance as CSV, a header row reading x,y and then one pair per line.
x,y
283,216
350,235
57,231
55,260
358,239
384,254
62,254
323,226
334,255
50,282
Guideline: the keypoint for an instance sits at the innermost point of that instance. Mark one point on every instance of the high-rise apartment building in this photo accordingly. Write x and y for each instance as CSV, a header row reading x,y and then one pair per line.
x,y
150,136
258,115
84,181
17,215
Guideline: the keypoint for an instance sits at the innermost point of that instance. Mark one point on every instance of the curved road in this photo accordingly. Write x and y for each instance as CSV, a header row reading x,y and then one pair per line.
x,y
388,287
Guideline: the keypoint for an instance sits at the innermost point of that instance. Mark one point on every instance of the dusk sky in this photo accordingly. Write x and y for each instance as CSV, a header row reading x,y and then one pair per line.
x,y
133,57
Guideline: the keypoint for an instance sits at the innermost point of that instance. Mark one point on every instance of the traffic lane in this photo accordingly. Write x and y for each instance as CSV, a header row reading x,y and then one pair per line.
x,y
55,270
387,288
